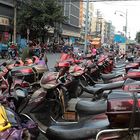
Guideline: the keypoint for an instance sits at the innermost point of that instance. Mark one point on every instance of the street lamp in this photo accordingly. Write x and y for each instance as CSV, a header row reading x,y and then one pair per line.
x,y
124,15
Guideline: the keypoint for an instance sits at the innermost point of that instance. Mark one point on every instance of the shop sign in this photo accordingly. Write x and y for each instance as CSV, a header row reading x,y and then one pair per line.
x,y
4,21
6,35
70,33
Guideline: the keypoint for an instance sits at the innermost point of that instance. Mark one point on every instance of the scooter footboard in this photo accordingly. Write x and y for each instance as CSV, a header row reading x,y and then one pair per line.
x,y
120,134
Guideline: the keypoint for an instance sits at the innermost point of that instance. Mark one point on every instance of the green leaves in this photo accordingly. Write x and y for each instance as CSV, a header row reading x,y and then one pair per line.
x,y
36,15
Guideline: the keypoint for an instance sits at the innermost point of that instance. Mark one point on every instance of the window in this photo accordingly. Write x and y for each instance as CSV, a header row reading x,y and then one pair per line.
x,y
74,21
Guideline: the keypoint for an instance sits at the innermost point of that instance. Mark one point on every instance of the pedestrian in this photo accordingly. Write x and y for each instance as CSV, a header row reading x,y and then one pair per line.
x,y
43,60
65,47
129,56
28,52
94,50
132,49
111,47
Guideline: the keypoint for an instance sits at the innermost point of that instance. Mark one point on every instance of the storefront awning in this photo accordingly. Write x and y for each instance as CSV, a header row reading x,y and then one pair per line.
x,y
70,33
95,43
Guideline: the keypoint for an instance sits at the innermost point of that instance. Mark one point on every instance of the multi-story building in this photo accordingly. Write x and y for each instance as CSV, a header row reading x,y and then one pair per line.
x,y
102,29
71,28
83,18
6,15
110,32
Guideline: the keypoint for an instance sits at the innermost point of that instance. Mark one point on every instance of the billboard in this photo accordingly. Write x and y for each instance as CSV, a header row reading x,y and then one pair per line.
x,y
119,39
4,21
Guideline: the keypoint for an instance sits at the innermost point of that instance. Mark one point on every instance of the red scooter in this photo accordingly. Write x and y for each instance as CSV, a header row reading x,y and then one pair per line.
x,y
121,120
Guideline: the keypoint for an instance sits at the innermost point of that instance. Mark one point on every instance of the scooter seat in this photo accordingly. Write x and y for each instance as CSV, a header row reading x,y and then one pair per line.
x,y
120,65
91,108
110,86
118,69
109,76
134,70
92,90
84,129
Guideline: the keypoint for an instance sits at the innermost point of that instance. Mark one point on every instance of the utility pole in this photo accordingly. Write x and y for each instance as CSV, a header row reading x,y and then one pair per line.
x,y
124,14
15,21
86,26
28,36
97,22
126,24
100,27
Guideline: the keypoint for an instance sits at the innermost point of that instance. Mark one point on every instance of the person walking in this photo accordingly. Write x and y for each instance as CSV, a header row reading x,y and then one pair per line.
x,y
43,60
27,52
94,50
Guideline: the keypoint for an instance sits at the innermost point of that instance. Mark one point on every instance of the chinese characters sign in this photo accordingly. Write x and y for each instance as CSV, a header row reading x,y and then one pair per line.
x,y
4,21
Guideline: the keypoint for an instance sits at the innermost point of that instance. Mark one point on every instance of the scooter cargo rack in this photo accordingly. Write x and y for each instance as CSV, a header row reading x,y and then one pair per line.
x,y
112,131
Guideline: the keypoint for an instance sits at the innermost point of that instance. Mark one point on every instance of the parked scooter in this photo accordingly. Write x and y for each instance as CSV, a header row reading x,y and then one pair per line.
x,y
44,105
38,109
12,127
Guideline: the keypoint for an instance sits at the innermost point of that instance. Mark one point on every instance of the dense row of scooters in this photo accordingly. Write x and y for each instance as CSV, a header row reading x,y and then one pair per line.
x,y
88,98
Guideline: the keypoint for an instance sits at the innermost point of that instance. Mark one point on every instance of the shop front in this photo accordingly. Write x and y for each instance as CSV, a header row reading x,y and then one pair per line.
x,y
70,36
4,29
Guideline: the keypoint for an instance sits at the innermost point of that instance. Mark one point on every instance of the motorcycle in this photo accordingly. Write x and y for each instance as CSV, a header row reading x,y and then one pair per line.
x,y
41,103
38,110
122,107
15,128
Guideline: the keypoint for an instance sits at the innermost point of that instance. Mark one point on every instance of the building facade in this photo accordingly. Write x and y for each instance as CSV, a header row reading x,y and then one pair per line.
x,y
71,28
110,32
102,29
83,18
6,16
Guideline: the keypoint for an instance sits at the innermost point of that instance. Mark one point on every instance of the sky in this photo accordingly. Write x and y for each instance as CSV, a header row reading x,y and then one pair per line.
x,y
133,19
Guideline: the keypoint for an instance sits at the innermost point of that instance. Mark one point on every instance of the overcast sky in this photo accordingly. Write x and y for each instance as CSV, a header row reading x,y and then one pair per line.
x,y
108,9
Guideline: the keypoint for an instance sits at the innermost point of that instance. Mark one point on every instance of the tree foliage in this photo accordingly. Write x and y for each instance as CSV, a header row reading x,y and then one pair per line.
x,y
138,37
39,16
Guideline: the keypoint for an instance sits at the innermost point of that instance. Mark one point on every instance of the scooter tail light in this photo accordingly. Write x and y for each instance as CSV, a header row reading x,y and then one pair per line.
x,y
25,84
132,102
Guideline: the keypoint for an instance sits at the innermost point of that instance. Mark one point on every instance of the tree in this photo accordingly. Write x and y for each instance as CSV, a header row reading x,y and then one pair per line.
x,y
138,37
39,16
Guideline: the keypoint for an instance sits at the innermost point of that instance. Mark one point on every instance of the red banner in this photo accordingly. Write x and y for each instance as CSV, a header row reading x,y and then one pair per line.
x,y
6,36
